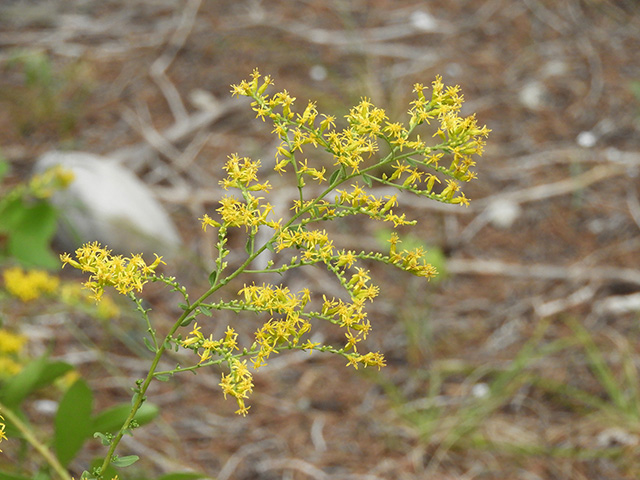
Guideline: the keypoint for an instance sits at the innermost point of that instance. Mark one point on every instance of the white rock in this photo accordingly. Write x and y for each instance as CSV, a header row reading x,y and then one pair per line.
x,y
480,390
502,213
107,203
586,139
318,73
532,95
424,21
46,407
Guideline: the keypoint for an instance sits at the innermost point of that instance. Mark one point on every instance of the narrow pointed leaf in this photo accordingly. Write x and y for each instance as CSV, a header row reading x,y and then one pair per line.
x,y
125,461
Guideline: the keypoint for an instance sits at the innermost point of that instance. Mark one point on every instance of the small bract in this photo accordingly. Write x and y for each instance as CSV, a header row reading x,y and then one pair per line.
x,y
108,203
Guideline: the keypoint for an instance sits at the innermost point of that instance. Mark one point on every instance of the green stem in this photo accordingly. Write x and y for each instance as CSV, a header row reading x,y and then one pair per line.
x,y
140,398
30,437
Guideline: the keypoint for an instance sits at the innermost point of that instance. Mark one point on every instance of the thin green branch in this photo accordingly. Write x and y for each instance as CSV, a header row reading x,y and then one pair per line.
x,y
31,439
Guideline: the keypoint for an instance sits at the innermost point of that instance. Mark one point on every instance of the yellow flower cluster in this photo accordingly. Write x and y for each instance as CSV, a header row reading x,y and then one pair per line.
x,y
275,333
289,330
249,214
11,346
376,208
47,183
371,359
238,383
10,343
29,285
210,346
411,261
315,243
123,273
241,173
351,147
251,211
410,165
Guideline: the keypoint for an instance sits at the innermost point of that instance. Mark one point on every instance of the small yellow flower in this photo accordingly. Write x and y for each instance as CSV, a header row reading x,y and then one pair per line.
x,y
208,221
346,259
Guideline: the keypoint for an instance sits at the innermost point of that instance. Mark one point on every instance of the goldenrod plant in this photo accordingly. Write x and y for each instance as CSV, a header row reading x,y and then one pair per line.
x,y
369,151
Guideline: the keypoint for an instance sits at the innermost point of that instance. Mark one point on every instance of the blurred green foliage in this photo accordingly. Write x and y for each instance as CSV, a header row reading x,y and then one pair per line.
x,y
27,225
74,422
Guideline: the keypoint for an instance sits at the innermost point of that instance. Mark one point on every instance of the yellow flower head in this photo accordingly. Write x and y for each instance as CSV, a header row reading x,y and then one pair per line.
x,y
123,273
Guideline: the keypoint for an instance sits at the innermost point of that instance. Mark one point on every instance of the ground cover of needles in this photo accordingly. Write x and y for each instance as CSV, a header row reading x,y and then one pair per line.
x,y
493,370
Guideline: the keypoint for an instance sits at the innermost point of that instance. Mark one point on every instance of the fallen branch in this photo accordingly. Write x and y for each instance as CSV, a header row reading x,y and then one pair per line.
x,y
542,271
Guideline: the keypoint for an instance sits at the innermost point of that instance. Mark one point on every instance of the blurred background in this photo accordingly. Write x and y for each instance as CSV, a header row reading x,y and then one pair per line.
x,y
520,361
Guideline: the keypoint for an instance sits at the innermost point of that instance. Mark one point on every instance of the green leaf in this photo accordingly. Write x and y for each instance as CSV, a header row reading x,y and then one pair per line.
x,y
206,310
51,372
411,162
248,246
10,212
30,235
111,419
147,343
20,385
334,176
367,180
73,421
187,321
163,377
125,461
212,278
103,439
36,374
